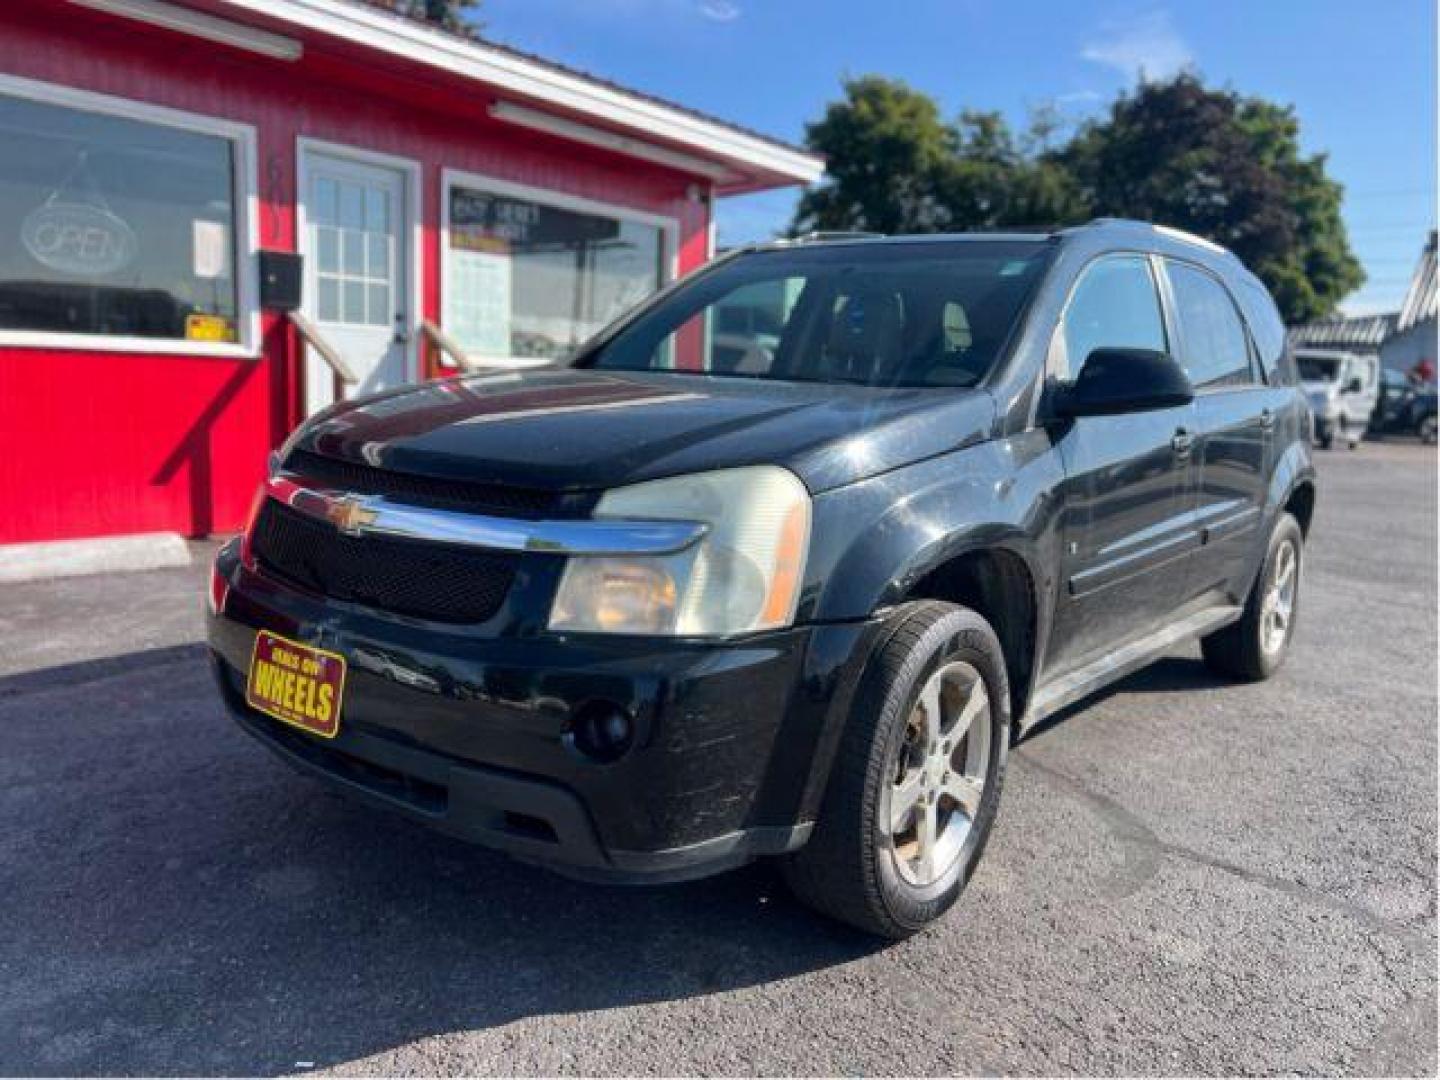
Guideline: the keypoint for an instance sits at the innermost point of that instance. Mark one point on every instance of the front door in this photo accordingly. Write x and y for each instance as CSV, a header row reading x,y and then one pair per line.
x,y
357,272
1128,522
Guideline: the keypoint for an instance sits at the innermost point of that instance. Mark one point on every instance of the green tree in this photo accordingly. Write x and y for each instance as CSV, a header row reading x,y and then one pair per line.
x,y
454,15
886,149
1228,168
895,166
1210,161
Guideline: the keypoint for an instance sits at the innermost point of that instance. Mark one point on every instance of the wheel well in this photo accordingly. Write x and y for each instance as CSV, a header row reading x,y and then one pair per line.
x,y
1301,504
995,583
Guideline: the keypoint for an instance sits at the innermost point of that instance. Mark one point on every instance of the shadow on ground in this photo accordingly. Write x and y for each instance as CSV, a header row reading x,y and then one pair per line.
x,y
179,901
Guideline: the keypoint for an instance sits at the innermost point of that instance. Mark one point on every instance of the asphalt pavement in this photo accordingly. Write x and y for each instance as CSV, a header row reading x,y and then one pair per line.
x,y
1187,876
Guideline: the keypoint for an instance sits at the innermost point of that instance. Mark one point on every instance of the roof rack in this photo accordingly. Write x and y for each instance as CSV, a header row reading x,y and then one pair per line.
x,y
821,235
1163,230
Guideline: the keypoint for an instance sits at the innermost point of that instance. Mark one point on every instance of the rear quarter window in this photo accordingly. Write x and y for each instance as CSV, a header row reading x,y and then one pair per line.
x,y
1267,330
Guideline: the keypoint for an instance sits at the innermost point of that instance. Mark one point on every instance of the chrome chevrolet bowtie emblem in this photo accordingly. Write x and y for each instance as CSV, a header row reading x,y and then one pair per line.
x,y
350,515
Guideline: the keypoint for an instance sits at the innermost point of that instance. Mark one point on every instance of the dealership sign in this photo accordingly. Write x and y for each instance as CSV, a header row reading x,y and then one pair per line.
x,y
78,238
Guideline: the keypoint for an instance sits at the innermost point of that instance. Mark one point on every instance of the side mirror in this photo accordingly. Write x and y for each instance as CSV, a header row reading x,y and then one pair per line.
x,y
1115,381
1354,386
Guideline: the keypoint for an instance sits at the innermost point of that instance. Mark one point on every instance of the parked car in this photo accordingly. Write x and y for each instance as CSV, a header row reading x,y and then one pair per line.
x,y
641,620
1343,389
1404,408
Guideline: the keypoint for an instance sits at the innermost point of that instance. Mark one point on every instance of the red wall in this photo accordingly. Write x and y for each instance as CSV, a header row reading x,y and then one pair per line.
x,y
95,443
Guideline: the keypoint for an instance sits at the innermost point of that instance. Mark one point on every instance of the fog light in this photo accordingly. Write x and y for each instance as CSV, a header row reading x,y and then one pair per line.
x,y
602,731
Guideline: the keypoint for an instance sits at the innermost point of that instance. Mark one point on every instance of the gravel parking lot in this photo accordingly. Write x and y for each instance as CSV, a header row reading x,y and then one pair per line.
x,y
1187,876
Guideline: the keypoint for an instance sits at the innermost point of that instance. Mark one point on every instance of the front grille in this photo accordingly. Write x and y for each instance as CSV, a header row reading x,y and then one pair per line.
x,y
473,496
421,579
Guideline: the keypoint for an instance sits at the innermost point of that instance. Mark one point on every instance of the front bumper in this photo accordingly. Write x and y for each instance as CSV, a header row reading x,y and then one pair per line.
x,y
472,734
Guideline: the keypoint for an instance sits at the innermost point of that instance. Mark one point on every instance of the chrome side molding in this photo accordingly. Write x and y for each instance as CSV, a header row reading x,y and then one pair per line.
x,y
361,515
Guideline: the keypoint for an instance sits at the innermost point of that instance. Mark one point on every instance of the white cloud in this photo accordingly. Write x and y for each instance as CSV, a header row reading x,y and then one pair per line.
x,y
1146,46
720,10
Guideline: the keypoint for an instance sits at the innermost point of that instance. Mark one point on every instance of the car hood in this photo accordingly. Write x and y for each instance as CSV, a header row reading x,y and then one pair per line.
x,y
580,429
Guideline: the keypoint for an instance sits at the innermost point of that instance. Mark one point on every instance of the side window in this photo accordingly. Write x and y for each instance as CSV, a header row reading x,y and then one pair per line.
x,y
1266,327
1215,350
1114,306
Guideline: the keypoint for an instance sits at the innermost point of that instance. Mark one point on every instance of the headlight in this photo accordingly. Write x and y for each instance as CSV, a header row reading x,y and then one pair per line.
x,y
743,575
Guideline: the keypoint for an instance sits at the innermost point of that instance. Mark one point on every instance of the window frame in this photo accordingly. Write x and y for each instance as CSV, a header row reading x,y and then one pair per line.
x,y
1157,283
244,199
1255,369
451,178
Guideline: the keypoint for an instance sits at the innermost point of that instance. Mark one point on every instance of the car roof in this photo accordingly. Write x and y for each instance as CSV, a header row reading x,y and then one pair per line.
x,y
1097,236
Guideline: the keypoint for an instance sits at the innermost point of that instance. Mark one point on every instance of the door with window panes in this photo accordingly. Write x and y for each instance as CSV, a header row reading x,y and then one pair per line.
x,y
1234,417
356,273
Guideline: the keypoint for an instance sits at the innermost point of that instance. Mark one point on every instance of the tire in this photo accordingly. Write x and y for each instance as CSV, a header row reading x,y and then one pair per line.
x,y
1326,441
1253,648
853,868
1426,430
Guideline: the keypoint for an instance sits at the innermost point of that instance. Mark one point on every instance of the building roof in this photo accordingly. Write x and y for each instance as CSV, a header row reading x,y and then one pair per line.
x,y
538,93
1420,299
388,6
1364,333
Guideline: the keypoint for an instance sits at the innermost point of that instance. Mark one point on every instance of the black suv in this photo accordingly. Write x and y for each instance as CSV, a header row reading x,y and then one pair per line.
x,y
790,589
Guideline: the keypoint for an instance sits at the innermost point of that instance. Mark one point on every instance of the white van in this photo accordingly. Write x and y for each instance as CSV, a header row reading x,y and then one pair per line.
x,y
1342,388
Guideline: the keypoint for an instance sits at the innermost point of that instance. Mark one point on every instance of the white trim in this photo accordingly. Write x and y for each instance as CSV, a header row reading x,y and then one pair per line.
x,y
245,198
712,225
413,174
198,24
536,120
770,163
449,178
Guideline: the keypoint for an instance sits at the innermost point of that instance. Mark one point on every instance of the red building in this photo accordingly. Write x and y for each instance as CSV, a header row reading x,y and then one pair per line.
x,y
154,153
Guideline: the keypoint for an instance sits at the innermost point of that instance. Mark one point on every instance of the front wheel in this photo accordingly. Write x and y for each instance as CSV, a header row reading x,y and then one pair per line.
x,y
916,781
1254,647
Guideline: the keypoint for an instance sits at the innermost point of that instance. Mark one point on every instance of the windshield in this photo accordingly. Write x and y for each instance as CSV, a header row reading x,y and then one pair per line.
x,y
1317,368
904,314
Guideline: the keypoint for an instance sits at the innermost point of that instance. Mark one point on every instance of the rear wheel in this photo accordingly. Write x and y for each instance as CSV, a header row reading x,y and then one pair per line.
x,y
1255,646
916,780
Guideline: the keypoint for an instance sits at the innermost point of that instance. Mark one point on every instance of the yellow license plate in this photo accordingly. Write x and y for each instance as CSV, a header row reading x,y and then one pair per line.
x,y
296,683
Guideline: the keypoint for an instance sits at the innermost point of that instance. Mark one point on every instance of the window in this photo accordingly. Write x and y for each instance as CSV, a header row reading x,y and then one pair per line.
x,y
354,252
528,277
119,227
745,326
880,314
1114,306
1216,351
1266,327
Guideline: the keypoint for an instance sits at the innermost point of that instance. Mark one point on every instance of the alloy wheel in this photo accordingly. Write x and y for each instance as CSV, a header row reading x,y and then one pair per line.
x,y
1278,607
939,773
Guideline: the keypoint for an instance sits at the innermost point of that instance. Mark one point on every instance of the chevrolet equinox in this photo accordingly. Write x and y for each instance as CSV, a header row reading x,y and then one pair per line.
x,y
781,562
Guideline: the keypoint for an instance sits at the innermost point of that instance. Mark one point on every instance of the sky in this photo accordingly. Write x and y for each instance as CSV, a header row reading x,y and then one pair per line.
x,y
1361,76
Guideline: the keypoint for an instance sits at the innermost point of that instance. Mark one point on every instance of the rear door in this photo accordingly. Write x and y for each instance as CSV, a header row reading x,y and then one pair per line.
x,y
1127,518
1235,415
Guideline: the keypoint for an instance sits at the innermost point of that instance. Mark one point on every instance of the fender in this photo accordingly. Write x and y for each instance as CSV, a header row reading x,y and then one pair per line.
x,y
1293,469
874,540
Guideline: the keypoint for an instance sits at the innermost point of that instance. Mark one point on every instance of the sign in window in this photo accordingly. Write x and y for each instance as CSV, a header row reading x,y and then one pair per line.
x,y
526,279
116,227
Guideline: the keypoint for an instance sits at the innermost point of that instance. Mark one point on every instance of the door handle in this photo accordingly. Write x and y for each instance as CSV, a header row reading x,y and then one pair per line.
x,y
1267,419
1182,442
